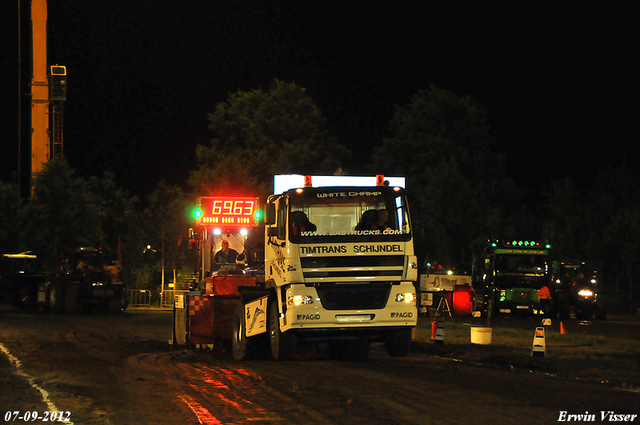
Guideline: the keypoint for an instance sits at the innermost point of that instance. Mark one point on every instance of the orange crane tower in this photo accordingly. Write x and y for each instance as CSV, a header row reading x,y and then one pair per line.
x,y
40,137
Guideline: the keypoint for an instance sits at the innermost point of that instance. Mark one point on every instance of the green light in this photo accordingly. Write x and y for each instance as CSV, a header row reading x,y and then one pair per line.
x,y
197,213
548,246
258,215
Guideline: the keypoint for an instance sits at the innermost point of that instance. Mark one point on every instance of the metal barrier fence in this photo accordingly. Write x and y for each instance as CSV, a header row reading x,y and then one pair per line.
x,y
147,298
140,298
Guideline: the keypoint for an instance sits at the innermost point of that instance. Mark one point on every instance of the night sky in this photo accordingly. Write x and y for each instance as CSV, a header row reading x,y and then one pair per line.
x,y
559,78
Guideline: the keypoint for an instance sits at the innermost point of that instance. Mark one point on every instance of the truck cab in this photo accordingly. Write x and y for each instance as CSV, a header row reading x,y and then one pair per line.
x,y
339,267
84,282
23,281
514,272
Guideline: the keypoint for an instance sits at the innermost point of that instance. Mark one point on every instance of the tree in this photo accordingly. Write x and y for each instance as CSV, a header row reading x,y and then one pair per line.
x,y
258,134
167,212
612,227
565,222
119,217
442,143
62,213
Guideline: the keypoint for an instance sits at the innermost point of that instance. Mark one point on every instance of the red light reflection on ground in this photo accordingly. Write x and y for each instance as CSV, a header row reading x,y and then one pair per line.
x,y
229,392
203,415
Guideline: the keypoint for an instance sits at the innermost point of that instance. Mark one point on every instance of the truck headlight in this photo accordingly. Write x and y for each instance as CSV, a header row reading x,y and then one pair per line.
x,y
407,297
299,300
585,293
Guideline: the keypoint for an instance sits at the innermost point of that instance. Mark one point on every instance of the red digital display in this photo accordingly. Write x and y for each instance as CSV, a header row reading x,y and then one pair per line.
x,y
228,211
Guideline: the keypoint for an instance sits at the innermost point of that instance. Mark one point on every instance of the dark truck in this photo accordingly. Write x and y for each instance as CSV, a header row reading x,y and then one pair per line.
x,y
86,283
575,290
512,277
23,283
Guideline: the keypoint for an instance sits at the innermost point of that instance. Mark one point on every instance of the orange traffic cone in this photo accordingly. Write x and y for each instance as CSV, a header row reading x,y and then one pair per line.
x,y
561,328
433,329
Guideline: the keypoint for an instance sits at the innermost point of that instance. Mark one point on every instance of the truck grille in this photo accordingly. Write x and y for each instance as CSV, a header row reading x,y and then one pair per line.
x,y
372,295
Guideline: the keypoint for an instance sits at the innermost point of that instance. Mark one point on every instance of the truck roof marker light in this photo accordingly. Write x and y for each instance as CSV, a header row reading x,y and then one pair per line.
x,y
299,191
397,189
286,182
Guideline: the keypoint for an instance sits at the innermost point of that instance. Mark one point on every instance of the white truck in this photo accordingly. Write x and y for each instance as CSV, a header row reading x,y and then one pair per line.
x,y
340,268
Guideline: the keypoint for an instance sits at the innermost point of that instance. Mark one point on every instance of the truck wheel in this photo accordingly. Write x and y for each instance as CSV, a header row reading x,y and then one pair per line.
x,y
398,343
283,344
241,345
25,299
56,299
119,303
72,300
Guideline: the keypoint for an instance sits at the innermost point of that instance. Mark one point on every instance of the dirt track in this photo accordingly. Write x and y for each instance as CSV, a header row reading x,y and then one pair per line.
x,y
119,370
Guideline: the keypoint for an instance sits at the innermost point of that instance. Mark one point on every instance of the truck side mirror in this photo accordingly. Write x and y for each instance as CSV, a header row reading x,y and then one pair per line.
x,y
270,215
272,232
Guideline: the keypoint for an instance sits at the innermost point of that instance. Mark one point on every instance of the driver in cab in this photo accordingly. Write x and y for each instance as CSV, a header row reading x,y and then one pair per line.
x,y
227,255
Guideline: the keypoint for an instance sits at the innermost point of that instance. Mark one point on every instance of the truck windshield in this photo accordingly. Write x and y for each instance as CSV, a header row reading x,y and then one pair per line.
x,y
351,214
520,270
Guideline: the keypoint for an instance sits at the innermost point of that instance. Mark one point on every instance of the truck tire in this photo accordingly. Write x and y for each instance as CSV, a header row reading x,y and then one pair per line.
x,y
398,343
243,347
283,344
72,299
56,299
26,297
240,344
119,302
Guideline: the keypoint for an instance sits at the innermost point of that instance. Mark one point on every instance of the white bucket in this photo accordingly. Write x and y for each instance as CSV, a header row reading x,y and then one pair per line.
x,y
481,335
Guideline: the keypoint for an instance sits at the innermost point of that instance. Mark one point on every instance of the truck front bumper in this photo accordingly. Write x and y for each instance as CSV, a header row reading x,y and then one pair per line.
x,y
304,310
